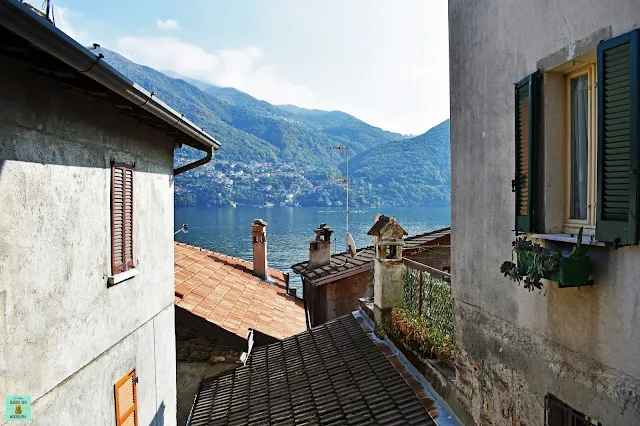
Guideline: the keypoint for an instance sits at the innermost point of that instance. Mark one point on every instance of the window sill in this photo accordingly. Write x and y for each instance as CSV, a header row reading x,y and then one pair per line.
x,y
123,276
568,238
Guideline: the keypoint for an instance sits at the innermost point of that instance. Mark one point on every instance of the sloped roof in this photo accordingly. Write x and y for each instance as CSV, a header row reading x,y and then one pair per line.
x,y
27,36
343,265
338,373
223,290
382,222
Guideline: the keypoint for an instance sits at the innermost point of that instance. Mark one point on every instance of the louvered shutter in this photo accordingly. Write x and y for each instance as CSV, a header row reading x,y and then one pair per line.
x,y
526,145
121,218
126,400
618,139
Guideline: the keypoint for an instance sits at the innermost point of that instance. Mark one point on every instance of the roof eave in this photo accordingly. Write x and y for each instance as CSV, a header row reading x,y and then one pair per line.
x,y
25,22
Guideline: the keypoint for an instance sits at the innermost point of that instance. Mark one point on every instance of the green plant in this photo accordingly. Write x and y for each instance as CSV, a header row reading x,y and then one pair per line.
x,y
535,262
414,330
544,261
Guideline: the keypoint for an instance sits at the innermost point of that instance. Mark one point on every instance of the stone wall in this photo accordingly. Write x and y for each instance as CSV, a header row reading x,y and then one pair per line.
x,y
192,345
198,356
504,373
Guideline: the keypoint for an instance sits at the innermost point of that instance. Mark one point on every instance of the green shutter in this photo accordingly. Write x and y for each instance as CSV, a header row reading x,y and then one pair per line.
x,y
617,208
526,145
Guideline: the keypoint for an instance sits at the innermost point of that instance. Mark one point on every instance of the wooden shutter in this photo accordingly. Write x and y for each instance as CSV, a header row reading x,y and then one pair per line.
x,y
526,145
127,400
618,138
121,218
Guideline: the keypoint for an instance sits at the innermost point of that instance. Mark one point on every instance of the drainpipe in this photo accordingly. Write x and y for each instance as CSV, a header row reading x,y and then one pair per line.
x,y
195,164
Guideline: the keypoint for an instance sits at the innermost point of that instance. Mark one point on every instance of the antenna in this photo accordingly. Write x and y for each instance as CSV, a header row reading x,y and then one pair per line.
x,y
345,181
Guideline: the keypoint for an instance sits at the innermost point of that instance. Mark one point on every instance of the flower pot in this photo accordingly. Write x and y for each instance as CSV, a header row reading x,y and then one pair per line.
x,y
571,271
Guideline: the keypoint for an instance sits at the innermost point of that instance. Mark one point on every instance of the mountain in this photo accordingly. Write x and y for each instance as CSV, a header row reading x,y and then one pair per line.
x,y
272,155
417,171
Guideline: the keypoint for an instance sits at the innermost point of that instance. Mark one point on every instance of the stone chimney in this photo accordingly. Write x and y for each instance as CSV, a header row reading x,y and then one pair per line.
x,y
388,239
259,240
320,248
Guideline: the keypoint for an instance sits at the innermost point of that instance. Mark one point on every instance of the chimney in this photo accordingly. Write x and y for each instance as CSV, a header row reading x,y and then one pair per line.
x,y
259,240
320,248
388,239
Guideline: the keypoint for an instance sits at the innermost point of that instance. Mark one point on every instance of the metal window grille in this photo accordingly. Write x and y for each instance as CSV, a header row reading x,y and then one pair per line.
x,y
557,413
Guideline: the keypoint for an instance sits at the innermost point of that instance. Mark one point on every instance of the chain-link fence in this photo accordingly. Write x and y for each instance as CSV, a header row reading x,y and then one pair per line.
x,y
429,297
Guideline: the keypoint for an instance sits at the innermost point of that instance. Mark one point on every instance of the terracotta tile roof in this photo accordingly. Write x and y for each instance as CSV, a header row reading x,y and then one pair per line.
x,y
223,290
342,265
338,373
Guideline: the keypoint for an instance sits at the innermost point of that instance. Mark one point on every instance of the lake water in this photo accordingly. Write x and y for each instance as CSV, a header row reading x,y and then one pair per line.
x,y
228,230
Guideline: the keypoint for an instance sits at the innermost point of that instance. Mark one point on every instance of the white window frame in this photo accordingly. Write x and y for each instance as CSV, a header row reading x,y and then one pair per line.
x,y
572,226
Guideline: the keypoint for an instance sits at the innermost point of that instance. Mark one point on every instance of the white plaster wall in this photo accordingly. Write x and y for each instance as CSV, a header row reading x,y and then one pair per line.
x,y
493,44
56,312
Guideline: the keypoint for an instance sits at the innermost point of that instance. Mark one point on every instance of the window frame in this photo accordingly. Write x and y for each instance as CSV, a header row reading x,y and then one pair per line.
x,y
572,226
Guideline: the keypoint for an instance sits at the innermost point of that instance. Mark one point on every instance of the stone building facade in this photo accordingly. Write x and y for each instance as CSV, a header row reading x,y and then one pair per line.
x,y
521,72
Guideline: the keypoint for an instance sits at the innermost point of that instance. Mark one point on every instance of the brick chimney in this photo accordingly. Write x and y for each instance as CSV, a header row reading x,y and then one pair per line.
x,y
259,240
388,239
320,248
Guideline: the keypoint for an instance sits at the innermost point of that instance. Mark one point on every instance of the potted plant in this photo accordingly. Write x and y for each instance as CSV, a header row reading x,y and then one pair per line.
x,y
534,262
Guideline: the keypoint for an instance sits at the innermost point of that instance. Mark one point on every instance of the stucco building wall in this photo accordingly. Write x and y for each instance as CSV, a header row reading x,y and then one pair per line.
x,y
72,335
515,347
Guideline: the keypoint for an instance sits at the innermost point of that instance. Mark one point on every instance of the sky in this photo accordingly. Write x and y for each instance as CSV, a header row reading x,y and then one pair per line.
x,y
385,62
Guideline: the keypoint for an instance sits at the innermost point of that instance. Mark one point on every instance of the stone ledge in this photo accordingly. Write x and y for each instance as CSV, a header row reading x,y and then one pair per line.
x,y
118,278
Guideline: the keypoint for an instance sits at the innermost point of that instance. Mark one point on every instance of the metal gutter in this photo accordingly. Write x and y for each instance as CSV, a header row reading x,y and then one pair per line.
x,y
195,164
22,20
437,407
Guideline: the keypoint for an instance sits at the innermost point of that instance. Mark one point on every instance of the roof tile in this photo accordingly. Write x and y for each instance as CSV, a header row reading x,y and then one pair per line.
x,y
223,290
329,375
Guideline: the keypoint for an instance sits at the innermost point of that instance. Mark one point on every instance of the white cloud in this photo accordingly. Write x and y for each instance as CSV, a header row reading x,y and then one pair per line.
x,y
169,24
63,16
243,69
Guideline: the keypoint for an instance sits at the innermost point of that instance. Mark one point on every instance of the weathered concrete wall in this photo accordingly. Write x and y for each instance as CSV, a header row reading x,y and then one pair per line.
x,y
57,316
575,343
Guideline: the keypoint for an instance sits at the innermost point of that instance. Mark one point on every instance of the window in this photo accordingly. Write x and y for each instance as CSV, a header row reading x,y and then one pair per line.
x,y
580,145
121,218
125,393
557,413
598,155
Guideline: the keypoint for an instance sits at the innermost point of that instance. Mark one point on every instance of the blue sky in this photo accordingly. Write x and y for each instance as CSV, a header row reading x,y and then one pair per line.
x,y
385,62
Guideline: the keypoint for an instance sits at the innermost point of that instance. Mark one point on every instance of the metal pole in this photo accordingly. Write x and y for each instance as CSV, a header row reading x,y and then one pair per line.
x,y
347,152
420,294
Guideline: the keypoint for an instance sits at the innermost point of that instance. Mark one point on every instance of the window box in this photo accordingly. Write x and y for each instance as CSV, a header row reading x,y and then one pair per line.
x,y
571,271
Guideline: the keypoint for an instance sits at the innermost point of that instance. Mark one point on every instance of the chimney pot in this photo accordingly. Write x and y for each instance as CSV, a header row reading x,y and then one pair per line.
x,y
320,248
259,241
388,239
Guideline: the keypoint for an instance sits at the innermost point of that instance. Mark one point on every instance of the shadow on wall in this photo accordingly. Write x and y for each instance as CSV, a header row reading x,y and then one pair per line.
x,y
45,122
158,419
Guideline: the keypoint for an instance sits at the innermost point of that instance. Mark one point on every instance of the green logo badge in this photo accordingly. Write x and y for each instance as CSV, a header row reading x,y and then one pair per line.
x,y
18,408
